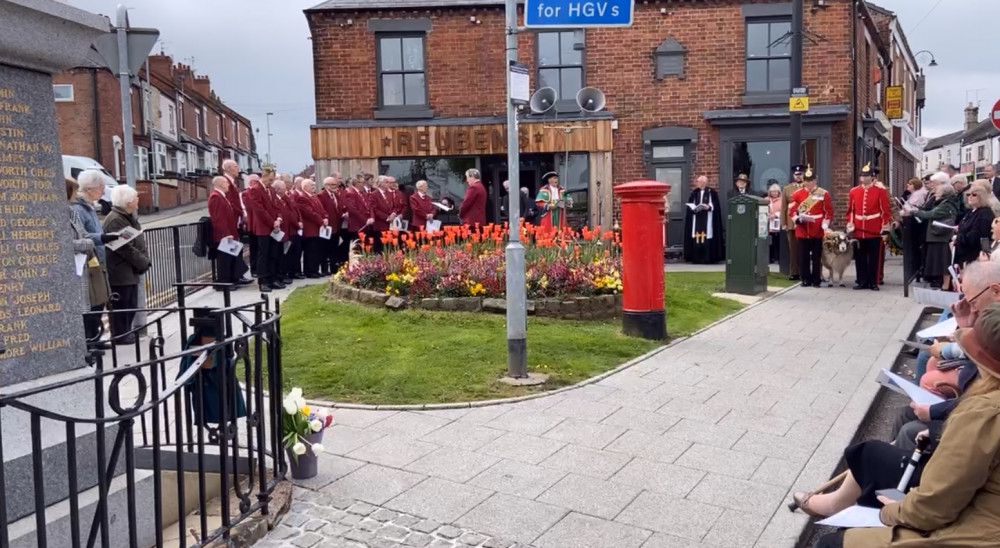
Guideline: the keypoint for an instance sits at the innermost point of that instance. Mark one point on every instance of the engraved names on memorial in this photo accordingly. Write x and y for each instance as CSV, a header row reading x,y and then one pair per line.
x,y
40,293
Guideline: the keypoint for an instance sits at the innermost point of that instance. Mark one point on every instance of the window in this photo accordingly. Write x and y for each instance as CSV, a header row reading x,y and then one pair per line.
x,y
769,60
560,63
981,153
180,162
63,92
968,154
203,160
402,82
180,113
444,176
576,180
232,131
197,123
767,163
142,163
192,158
171,120
159,158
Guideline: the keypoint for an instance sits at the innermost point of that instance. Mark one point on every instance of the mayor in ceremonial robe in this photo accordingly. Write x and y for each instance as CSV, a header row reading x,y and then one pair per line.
x,y
703,239
552,202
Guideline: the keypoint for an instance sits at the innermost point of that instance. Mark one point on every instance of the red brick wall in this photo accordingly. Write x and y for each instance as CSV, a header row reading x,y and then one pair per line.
x,y
465,67
77,121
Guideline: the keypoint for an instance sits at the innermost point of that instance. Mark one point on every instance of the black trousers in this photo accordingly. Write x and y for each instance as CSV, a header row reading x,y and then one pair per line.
x,y
128,299
866,261
291,262
810,260
229,269
774,248
331,252
92,324
313,248
268,254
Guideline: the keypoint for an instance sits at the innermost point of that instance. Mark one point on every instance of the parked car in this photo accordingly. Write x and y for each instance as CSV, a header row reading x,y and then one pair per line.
x,y
73,165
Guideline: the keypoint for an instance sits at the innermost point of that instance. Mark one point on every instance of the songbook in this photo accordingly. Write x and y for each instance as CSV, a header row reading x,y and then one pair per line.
x,y
441,206
939,224
917,394
854,516
433,226
941,329
231,246
125,236
325,232
81,261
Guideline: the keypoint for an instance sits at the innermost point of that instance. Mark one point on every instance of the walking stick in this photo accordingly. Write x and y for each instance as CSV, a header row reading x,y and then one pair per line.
x,y
898,493
793,506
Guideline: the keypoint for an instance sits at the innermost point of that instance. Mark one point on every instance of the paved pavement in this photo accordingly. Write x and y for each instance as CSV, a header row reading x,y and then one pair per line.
x,y
696,446
189,213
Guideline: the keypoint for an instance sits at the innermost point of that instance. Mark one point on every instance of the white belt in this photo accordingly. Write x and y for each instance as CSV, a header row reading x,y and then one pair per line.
x,y
867,217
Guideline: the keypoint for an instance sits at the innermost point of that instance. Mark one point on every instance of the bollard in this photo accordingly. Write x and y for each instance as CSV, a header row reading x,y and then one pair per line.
x,y
643,214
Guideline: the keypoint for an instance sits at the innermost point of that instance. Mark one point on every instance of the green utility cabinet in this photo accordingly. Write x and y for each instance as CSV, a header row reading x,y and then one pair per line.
x,y
747,245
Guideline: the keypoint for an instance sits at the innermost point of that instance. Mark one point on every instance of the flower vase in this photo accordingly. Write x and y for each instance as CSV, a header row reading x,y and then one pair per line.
x,y
304,466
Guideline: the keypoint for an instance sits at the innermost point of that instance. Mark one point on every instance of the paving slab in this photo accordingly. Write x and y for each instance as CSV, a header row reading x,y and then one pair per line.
x,y
697,445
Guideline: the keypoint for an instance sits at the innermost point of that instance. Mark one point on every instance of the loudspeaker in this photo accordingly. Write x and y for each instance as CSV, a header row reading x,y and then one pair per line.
x,y
543,100
590,99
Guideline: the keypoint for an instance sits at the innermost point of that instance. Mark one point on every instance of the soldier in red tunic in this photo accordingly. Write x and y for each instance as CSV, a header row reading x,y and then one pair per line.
x,y
867,215
811,210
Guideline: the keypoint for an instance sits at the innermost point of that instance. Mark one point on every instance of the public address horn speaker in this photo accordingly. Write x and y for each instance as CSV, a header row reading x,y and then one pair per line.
x,y
543,100
590,99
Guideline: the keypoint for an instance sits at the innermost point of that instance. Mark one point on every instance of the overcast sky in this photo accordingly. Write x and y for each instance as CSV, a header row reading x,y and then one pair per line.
x,y
259,58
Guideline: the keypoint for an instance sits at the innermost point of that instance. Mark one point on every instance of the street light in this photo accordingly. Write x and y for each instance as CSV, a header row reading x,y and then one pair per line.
x,y
269,114
933,62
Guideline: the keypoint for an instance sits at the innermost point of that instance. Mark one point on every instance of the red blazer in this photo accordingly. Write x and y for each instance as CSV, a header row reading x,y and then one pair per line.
x,y
355,203
290,217
233,196
259,202
822,206
400,203
868,210
420,207
473,209
381,206
331,205
312,213
223,217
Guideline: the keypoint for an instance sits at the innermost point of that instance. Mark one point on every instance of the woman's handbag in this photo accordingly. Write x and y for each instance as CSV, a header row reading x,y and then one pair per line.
x,y
98,291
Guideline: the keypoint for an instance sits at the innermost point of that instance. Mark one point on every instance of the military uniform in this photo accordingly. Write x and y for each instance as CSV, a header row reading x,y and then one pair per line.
x,y
868,214
786,224
811,212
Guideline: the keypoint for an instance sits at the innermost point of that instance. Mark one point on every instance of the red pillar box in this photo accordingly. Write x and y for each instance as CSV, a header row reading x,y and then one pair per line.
x,y
643,214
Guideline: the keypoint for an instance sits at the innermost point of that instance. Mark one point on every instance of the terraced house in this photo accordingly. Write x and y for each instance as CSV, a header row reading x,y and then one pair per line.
x,y
181,129
415,89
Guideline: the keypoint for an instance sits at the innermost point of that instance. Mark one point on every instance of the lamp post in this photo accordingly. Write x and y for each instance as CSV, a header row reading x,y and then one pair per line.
x,y
269,114
933,62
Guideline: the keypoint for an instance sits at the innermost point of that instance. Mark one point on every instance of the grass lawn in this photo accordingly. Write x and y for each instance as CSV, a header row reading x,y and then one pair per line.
x,y
348,352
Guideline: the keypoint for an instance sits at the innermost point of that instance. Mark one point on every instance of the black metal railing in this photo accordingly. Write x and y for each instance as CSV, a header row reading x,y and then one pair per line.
x,y
202,409
173,262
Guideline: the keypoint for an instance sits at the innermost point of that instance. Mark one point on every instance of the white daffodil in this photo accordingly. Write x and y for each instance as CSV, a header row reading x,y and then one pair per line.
x,y
299,448
291,407
316,425
317,448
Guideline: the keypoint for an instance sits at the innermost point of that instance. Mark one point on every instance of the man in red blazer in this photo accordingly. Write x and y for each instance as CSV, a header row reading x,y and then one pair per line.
x,y
357,212
473,208
231,170
259,200
421,206
289,265
400,201
382,206
229,269
313,218
329,197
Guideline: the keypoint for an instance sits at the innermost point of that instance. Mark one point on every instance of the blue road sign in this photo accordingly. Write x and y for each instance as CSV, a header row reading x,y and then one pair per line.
x,y
578,13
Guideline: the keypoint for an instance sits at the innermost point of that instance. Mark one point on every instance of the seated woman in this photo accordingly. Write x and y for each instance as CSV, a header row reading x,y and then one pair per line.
x,y
957,502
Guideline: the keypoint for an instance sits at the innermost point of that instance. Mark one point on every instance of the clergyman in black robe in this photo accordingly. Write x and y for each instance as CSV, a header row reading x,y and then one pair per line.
x,y
703,243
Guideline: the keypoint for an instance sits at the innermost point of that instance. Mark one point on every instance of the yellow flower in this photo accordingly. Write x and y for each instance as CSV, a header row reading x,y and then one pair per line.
x,y
305,410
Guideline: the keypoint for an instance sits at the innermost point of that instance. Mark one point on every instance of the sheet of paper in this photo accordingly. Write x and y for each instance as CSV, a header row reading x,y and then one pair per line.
x,y
917,394
854,516
939,299
231,247
883,379
125,236
278,235
433,226
325,232
692,207
81,261
441,206
397,224
944,225
941,329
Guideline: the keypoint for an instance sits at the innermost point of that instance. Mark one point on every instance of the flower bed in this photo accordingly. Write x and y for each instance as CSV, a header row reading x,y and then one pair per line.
x,y
465,262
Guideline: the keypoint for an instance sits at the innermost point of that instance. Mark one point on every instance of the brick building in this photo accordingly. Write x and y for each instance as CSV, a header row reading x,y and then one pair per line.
x,y
181,130
415,89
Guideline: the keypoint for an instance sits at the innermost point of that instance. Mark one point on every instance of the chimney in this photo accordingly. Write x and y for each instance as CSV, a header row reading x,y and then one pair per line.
x,y
183,76
203,86
971,117
161,65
